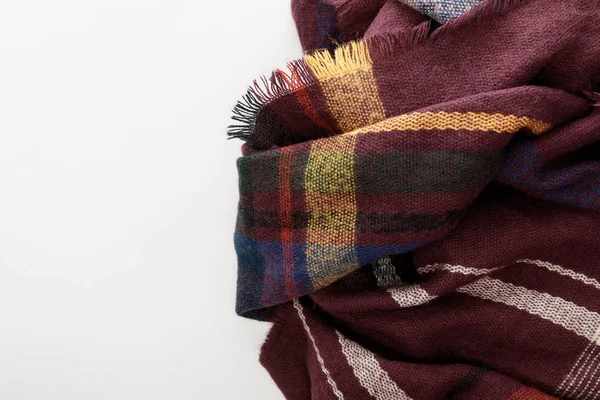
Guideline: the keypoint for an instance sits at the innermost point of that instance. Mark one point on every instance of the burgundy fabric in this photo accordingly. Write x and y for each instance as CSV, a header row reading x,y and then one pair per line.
x,y
323,23
500,304
355,16
532,44
430,349
394,17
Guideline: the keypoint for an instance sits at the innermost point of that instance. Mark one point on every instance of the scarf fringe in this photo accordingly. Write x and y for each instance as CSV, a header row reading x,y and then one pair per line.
x,y
346,59
485,10
322,65
265,90
391,44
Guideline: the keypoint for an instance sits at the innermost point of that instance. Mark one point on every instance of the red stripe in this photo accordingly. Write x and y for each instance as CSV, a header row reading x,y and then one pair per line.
x,y
285,218
302,96
527,393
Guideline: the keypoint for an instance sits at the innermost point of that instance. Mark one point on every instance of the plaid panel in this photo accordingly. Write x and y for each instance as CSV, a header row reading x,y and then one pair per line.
x,y
299,207
308,194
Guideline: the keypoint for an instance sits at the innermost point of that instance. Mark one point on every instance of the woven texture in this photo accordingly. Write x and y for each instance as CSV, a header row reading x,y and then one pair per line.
x,y
419,209
442,10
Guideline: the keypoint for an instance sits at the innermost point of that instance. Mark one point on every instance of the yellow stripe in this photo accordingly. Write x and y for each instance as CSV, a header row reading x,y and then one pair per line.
x,y
348,84
330,235
354,100
331,185
348,58
457,121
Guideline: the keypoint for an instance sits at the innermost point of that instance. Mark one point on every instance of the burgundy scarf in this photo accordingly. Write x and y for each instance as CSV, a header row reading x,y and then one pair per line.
x,y
419,202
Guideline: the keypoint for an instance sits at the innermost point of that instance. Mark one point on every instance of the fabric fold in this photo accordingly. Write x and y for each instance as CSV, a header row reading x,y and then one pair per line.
x,y
419,202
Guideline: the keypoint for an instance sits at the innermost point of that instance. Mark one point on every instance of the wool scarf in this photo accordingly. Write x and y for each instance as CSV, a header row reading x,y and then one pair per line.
x,y
419,213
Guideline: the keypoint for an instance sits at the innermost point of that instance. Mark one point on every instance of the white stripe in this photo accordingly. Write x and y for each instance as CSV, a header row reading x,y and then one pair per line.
x,y
410,296
585,378
593,391
404,295
458,269
369,372
385,273
330,380
483,271
563,271
573,379
577,378
555,309
575,367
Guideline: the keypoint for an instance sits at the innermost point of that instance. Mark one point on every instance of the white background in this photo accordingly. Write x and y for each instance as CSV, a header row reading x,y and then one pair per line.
x,y
118,195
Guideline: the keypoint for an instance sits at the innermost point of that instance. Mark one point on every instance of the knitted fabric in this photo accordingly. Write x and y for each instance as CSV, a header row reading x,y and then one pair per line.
x,y
419,209
442,10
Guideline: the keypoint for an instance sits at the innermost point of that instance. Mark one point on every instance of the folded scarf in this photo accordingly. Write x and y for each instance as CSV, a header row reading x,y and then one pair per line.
x,y
419,201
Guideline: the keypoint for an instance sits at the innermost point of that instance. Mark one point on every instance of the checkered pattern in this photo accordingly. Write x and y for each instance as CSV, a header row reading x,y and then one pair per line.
x,y
419,210
313,212
336,176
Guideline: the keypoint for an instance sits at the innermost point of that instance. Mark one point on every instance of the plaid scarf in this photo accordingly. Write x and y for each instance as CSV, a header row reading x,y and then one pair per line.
x,y
419,205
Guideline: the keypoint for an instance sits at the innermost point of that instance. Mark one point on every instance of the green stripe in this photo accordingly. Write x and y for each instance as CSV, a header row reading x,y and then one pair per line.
x,y
437,171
